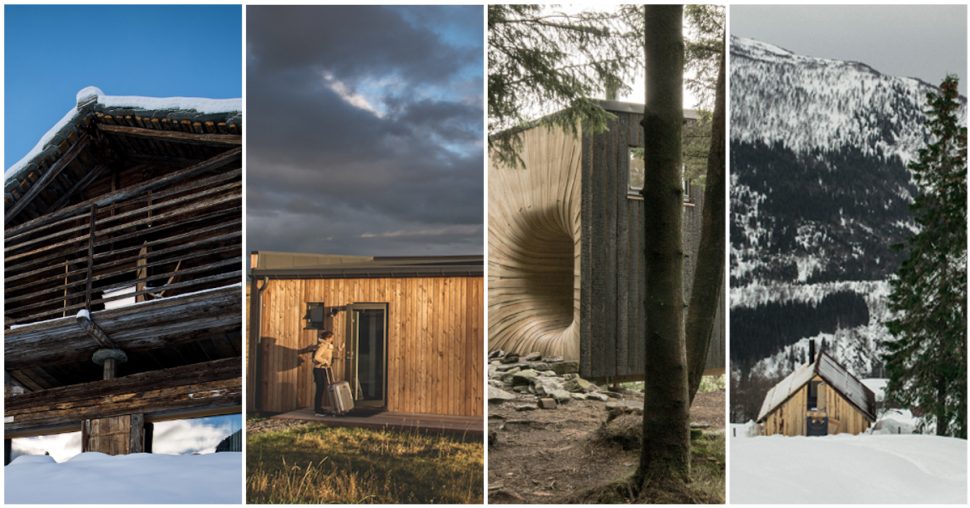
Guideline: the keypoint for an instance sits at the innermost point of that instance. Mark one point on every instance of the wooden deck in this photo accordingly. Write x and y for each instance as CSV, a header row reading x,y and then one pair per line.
x,y
470,426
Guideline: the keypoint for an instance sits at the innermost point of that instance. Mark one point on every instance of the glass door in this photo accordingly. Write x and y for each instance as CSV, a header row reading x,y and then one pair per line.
x,y
367,353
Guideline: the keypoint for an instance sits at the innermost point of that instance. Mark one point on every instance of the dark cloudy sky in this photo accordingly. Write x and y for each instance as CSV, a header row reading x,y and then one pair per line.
x,y
365,129
922,41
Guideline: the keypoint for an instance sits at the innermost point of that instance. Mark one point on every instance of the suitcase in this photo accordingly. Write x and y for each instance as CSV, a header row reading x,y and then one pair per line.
x,y
340,395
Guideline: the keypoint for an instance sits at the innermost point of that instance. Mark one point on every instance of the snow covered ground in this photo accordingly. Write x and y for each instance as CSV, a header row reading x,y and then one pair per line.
x,y
96,478
848,469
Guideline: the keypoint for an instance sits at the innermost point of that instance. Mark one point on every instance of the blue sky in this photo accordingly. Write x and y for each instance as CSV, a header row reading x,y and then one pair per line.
x,y
52,52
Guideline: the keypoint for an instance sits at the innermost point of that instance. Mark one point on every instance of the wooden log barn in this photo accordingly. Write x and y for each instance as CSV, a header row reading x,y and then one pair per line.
x,y
123,271
818,398
408,331
566,273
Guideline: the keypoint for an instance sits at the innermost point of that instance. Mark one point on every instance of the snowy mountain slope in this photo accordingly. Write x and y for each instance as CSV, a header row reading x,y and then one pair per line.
x,y
820,194
873,469
824,104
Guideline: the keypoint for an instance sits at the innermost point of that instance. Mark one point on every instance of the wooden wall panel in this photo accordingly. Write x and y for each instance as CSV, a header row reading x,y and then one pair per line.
x,y
789,418
533,246
435,341
613,278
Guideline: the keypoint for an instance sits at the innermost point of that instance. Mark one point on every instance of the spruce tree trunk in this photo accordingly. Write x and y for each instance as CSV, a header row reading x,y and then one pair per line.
x,y
705,295
665,453
942,422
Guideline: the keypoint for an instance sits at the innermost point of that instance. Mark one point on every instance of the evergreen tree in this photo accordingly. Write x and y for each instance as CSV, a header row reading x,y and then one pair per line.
x,y
542,61
926,361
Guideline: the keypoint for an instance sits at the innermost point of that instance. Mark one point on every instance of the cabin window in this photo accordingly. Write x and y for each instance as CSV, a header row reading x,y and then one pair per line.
x,y
813,394
635,182
314,315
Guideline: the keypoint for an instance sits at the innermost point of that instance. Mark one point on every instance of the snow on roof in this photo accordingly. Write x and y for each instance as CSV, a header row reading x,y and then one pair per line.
x,y
93,95
834,375
779,393
139,478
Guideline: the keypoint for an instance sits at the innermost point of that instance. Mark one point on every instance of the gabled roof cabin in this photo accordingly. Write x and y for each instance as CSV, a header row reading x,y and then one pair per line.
x,y
819,398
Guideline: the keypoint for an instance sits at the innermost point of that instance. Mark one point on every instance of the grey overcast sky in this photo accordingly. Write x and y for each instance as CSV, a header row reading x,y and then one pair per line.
x,y
925,42
364,129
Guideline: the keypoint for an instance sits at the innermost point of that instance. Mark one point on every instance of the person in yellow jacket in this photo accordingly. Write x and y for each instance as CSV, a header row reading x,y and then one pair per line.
x,y
322,368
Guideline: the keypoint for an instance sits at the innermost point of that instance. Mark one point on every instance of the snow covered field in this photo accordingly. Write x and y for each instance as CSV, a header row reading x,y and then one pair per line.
x,y
96,478
848,469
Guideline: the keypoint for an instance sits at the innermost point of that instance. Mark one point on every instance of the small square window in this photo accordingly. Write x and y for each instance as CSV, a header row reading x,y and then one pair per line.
x,y
314,315
635,183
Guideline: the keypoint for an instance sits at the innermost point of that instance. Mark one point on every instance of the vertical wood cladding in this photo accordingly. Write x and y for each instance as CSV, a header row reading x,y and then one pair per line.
x,y
789,419
613,243
435,347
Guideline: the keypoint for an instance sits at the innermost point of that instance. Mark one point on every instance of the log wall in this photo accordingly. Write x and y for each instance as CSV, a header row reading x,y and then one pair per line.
x,y
161,233
435,346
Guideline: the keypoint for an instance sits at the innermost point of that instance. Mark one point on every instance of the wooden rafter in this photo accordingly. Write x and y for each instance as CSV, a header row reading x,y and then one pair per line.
x,y
49,175
176,136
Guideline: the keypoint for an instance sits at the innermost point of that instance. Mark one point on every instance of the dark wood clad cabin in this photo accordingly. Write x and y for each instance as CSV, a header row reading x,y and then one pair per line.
x,y
409,331
123,271
566,268
818,399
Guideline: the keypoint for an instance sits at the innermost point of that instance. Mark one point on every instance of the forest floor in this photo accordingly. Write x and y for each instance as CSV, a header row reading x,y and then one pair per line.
x,y
293,462
566,455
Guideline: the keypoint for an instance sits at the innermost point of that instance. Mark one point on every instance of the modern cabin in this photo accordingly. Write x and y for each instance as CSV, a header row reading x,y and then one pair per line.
x,y
566,272
409,331
123,271
818,399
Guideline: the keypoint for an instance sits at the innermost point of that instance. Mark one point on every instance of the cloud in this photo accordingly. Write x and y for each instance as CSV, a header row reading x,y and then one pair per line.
x,y
361,121
179,437
174,437
59,446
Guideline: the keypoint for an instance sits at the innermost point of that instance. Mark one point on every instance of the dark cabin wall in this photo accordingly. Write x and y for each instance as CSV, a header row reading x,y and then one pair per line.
x,y
612,295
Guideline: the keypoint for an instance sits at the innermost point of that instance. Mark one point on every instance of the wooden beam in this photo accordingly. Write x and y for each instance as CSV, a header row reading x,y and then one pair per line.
x,y
146,326
95,332
49,175
175,136
213,387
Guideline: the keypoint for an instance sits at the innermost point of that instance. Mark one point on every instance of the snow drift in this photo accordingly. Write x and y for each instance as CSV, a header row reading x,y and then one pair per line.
x,y
96,478
848,469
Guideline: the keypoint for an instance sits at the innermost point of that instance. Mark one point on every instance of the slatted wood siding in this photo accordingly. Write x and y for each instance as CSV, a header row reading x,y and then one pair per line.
x,y
435,341
789,419
533,247
179,231
613,273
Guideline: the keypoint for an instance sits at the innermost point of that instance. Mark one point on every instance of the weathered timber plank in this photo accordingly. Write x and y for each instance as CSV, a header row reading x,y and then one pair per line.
x,y
224,158
101,275
135,328
228,277
14,235
214,386
121,266
149,210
